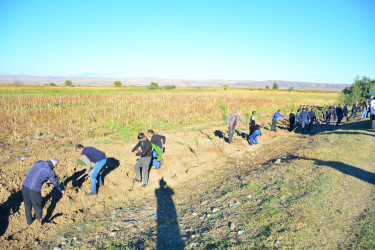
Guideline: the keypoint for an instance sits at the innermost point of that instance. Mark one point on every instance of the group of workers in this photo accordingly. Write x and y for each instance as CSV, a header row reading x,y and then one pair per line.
x,y
43,171
302,121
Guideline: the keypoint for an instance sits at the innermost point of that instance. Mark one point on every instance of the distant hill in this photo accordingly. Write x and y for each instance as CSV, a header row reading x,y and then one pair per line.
x,y
108,81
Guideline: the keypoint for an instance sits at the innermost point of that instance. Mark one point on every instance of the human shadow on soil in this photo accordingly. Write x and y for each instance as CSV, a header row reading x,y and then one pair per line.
x,y
241,134
110,165
56,196
9,207
168,234
220,134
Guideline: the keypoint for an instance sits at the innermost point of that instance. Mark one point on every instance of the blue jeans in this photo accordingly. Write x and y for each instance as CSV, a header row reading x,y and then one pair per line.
x,y
364,113
154,160
253,136
95,174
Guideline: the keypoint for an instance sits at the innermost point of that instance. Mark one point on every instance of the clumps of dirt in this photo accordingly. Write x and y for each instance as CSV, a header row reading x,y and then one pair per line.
x,y
180,165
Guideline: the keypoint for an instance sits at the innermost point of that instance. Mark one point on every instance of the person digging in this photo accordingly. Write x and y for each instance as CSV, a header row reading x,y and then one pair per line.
x,y
41,172
91,154
144,161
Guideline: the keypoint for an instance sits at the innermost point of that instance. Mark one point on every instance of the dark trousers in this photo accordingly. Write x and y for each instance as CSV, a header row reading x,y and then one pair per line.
x,y
354,112
291,126
339,118
273,127
31,199
328,119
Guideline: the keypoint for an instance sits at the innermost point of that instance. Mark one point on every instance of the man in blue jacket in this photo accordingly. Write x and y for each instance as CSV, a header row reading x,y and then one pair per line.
x,y
91,154
305,119
41,172
274,120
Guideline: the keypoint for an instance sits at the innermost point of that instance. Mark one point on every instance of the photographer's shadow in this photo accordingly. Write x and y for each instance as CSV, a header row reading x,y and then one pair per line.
x,y
168,235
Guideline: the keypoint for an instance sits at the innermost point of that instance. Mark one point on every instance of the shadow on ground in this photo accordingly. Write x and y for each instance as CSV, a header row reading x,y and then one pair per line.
x,y
220,134
168,231
111,164
9,207
346,169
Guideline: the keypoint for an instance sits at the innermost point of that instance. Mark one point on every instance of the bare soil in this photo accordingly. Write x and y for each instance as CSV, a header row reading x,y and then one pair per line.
x,y
182,164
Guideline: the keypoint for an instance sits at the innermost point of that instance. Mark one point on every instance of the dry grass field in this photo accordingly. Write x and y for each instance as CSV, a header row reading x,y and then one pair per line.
x,y
201,169
28,112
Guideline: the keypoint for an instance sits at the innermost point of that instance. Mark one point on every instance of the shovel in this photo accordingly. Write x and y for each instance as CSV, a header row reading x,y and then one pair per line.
x,y
75,182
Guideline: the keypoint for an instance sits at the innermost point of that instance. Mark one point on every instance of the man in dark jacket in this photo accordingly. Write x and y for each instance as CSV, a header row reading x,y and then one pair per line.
x,y
345,112
37,176
334,113
354,110
312,116
305,119
158,140
292,120
145,161
91,154
328,115
339,114
255,131
232,122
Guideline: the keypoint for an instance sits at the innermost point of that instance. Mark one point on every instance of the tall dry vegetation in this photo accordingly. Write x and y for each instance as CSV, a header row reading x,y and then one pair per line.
x,y
25,117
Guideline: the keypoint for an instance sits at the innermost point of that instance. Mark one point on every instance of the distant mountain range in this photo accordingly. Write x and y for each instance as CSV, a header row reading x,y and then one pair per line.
x,y
108,81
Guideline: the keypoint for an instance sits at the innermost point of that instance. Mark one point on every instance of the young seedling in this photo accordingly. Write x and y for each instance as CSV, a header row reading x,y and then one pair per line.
x,y
158,151
223,112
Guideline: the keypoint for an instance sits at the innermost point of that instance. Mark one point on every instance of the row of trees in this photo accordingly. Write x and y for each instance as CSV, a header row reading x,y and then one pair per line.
x,y
275,86
153,85
358,91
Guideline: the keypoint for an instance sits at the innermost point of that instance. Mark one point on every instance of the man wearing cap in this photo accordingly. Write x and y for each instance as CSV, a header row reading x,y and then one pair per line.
x,y
37,176
91,154
144,161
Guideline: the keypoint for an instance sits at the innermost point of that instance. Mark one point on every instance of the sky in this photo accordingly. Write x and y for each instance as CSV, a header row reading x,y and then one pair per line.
x,y
325,41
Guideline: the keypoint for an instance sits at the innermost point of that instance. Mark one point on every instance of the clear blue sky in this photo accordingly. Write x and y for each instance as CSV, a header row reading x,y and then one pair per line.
x,y
316,41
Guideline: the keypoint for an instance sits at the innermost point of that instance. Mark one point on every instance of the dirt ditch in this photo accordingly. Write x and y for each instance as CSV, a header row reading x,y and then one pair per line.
x,y
184,159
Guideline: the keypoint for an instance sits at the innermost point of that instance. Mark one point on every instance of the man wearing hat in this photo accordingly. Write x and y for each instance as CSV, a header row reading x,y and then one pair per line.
x,y
37,176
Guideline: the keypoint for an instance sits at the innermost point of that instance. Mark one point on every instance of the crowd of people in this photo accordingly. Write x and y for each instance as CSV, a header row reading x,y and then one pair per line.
x,y
302,121
150,150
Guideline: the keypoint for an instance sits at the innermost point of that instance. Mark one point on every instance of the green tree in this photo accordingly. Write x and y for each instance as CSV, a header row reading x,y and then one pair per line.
x,y
154,85
170,86
117,83
358,90
267,87
275,85
68,83
290,89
